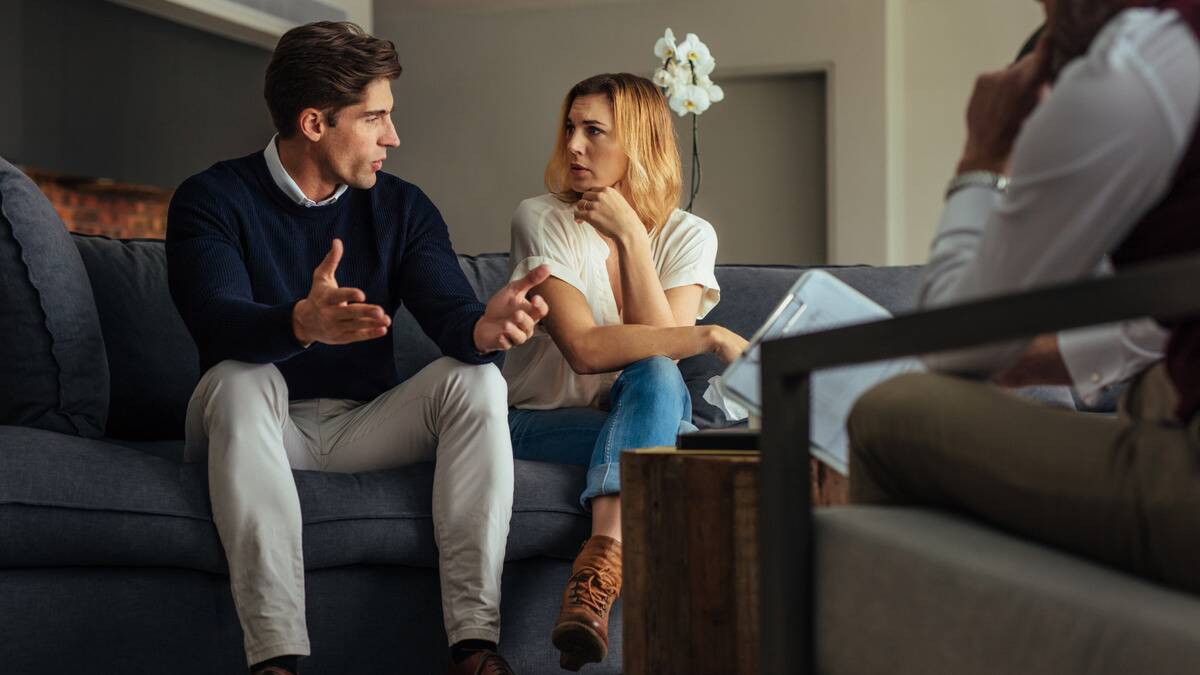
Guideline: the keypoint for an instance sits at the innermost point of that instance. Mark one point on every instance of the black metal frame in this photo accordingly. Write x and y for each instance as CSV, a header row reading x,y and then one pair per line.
x,y
1163,290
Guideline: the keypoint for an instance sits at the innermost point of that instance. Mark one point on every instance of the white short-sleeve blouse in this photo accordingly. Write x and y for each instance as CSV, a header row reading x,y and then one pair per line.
x,y
544,232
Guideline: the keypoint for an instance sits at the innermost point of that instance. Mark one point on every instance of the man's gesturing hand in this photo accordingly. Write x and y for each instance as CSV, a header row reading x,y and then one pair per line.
x,y
509,319
335,315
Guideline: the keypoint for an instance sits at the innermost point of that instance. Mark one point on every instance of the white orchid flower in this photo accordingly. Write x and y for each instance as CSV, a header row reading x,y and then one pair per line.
x,y
663,78
665,47
692,49
690,99
715,92
681,74
704,66
685,74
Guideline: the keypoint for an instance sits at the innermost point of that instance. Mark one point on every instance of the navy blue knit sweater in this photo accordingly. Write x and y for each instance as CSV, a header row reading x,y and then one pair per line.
x,y
240,255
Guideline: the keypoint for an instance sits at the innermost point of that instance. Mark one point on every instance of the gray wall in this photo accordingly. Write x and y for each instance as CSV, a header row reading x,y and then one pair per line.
x,y
11,117
762,154
96,89
762,149
477,108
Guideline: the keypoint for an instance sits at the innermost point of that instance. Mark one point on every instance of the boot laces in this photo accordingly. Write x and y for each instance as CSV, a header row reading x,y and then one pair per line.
x,y
593,588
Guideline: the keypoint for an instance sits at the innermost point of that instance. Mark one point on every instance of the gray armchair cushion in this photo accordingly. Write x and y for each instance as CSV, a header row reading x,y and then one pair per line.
x,y
53,372
929,592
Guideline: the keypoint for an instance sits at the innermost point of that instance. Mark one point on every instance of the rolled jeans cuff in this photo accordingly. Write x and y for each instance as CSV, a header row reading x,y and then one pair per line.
x,y
602,479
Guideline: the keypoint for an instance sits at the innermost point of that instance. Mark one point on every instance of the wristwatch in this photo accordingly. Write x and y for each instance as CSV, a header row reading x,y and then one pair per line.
x,y
988,179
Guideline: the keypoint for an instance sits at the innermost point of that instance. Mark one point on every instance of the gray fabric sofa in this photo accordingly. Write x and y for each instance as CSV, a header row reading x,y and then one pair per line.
x,y
109,561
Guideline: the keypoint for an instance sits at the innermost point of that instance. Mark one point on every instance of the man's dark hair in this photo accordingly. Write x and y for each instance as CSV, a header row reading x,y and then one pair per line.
x,y
325,65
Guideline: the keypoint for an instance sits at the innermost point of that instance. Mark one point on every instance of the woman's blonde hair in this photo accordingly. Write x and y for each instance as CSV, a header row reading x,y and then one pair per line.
x,y
643,131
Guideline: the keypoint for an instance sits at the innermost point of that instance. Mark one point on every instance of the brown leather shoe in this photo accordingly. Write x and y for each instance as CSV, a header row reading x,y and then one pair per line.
x,y
484,662
581,631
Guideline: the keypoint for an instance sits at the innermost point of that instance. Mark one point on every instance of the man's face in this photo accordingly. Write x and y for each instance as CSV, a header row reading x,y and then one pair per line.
x,y
354,149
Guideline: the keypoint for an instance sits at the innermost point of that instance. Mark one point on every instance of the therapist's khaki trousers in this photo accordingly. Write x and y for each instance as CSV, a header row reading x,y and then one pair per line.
x,y
450,413
1124,490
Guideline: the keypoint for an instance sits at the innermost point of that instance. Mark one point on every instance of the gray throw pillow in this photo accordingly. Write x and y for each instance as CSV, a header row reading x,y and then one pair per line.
x,y
53,371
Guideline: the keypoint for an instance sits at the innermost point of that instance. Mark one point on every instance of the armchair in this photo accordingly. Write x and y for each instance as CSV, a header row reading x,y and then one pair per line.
x,y
1163,290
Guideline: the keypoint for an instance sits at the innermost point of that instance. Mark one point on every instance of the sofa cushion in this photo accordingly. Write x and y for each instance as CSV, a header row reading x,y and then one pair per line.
x,y
152,359
930,592
53,373
71,501
486,272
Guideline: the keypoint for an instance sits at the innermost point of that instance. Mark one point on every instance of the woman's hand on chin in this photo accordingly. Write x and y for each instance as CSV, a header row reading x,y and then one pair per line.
x,y
607,210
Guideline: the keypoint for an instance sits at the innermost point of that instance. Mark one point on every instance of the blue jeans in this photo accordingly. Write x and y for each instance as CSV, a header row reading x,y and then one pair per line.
x,y
649,406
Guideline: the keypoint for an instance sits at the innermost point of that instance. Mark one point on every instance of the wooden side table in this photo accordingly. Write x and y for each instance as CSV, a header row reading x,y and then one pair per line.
x,y
690,598
691,572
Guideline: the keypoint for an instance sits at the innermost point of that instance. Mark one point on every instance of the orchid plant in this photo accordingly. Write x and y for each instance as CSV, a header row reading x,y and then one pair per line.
x,y
684,79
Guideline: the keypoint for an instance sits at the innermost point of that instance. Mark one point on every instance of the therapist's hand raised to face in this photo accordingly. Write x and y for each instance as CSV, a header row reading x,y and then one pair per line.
x,y
999,105
510,317
607,210
336,315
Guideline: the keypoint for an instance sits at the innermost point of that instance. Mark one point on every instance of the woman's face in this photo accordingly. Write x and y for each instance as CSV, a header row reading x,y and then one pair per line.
x,y
595,158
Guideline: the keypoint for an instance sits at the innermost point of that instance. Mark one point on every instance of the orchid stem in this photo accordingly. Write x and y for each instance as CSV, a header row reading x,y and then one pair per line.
x,y
696,173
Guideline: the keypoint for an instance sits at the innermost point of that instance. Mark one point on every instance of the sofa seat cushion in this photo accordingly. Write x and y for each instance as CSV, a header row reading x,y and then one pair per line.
x,y
904,591
65,500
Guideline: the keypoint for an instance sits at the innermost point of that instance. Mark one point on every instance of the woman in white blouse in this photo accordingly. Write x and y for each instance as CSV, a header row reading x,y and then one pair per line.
x,y
630,275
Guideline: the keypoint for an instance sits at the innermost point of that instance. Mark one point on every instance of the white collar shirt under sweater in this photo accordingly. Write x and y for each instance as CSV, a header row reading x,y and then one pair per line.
x,y
544,232
289,186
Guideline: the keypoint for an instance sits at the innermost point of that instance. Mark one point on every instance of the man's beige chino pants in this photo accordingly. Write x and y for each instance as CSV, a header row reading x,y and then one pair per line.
x,y
450,413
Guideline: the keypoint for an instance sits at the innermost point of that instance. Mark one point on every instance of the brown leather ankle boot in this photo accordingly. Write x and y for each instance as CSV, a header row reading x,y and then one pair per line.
x,y
581,631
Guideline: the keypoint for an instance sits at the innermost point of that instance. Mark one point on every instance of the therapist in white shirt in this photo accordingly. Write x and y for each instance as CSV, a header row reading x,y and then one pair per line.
x,y
630,275
1049,186
1092,360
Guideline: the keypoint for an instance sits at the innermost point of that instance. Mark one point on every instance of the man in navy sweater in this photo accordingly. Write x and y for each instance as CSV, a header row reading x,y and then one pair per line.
x,y
286,266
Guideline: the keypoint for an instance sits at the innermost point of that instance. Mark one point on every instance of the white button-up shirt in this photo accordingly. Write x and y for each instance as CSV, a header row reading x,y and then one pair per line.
x,y
287,184
1094,157
544,232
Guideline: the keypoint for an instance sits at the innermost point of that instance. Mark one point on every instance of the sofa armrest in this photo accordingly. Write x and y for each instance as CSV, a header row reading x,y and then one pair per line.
x,y
1162,290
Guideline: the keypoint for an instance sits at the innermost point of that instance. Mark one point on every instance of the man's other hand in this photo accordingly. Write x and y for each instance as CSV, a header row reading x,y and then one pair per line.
x,y
510,318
